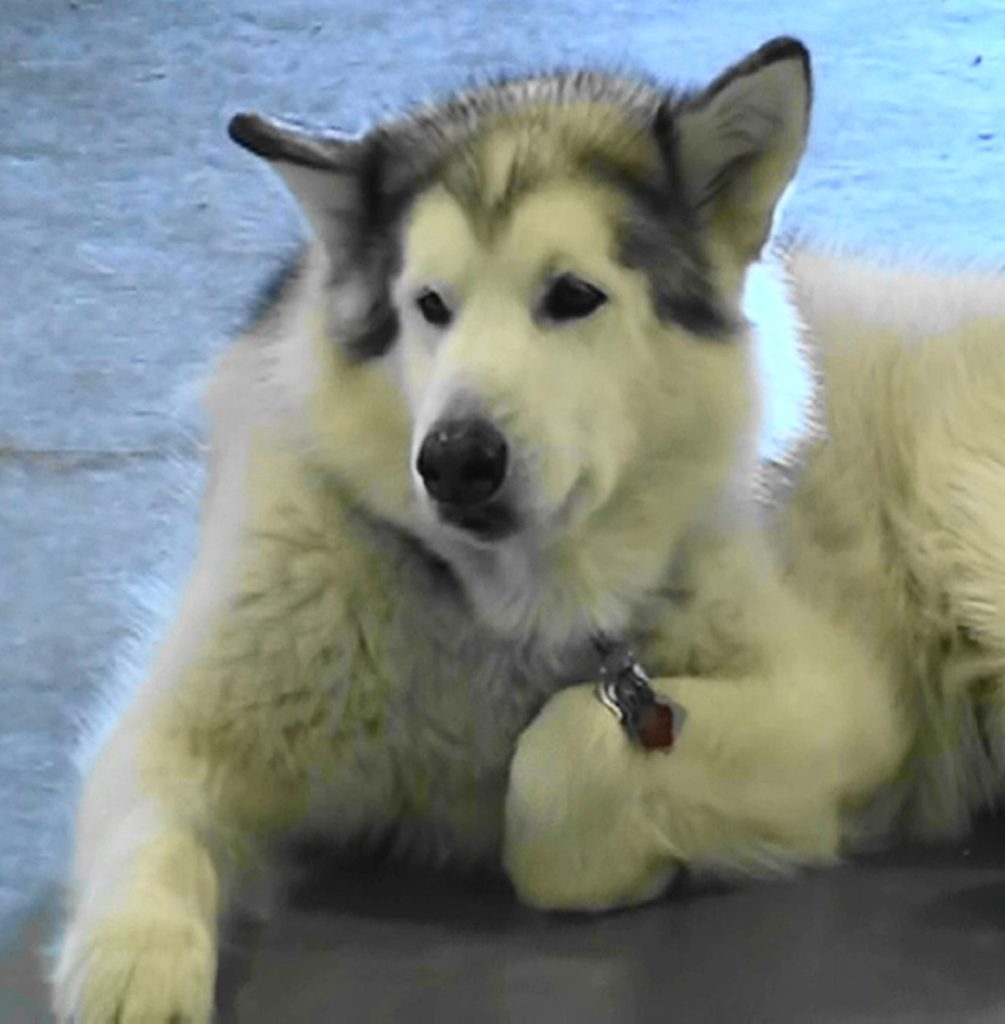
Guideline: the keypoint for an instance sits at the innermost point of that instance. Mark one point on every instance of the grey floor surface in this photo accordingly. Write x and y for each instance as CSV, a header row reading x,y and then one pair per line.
x,y
915,936
132,236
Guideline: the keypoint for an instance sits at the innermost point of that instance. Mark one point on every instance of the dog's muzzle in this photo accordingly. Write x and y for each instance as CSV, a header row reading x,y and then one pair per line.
x,y
463,464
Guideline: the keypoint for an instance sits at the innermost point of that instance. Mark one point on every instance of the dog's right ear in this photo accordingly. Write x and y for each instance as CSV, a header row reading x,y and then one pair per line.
x,y
339,184
325,171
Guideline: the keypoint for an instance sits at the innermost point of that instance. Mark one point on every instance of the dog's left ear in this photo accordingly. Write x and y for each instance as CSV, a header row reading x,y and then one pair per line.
x,y
737,143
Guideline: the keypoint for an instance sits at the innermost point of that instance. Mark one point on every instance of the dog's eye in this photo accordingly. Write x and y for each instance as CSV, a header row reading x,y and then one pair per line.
x,y
571,298
433,309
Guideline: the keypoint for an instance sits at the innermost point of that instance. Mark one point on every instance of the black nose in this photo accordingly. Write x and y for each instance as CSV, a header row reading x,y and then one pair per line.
x,y
462,462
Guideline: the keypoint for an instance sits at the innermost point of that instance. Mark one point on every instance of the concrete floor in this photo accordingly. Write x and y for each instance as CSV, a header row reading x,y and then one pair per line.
x,y
132,235
914,937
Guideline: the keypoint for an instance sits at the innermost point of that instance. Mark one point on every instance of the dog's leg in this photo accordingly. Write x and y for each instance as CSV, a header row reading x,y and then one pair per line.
x,y
756,782
179,806
218,752
141,943
174,812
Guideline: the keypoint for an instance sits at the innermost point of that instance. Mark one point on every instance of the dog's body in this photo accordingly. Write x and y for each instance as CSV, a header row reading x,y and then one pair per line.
x,y
548,275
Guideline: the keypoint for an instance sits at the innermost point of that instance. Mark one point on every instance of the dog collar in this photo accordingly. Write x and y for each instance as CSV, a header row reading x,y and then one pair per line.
x,y
625,689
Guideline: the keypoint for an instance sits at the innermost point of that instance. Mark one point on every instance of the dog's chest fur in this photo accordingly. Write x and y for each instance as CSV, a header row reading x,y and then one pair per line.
x,y
426,704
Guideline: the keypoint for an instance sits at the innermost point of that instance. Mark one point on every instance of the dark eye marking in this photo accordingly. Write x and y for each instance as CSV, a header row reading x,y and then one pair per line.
x,y
433,309
571,298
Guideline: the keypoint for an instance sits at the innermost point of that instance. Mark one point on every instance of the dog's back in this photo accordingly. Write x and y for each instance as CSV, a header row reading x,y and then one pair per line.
x,y
899,516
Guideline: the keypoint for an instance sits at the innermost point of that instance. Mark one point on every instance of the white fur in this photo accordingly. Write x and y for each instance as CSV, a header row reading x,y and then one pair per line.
x,y
834,634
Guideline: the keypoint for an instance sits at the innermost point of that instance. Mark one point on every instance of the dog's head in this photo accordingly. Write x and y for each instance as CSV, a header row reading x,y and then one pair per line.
x,y
536,357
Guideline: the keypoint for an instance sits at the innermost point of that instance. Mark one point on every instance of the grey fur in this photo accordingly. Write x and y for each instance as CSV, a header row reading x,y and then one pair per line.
x,y
277,286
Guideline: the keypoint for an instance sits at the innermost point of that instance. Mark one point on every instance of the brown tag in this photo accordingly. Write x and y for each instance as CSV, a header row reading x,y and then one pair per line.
x,y
657,727
625,689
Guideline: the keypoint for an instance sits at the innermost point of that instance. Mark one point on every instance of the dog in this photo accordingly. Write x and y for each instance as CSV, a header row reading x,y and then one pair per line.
x,y
504,416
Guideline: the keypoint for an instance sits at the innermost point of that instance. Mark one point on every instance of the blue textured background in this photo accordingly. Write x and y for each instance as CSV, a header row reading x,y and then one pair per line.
x,y
132,234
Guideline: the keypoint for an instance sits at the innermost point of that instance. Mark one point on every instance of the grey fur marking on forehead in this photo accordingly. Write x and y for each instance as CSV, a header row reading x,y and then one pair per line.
x,y
418,146
637,97
636,100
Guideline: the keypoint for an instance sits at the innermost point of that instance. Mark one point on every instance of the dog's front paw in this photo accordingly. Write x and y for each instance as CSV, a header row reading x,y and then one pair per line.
x,y
157,967
580,832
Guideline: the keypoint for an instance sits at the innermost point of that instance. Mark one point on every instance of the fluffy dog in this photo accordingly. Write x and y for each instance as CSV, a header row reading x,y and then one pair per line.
x,y
510,401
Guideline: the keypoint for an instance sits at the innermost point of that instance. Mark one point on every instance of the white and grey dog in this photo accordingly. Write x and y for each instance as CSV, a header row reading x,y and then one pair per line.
x,y
503,415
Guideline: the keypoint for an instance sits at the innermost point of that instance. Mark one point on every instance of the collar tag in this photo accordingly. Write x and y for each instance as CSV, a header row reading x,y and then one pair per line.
x,y
625,689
